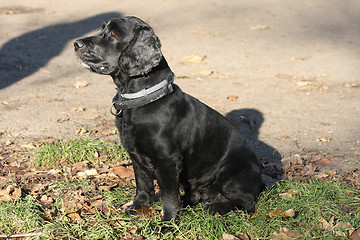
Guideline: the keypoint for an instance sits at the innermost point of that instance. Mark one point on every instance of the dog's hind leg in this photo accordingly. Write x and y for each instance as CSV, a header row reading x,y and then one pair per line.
x,y
239,183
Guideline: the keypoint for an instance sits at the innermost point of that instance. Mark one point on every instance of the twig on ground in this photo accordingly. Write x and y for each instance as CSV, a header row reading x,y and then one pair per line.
x,y
22,235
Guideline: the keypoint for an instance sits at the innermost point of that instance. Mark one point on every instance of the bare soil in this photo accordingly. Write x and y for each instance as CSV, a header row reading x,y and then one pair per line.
x,y
285,72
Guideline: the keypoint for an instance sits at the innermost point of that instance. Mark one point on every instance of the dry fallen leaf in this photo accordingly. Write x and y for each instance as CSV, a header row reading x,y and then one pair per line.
x,y
74,216
292,234
321,75
195,58
275,213
227,236
355,235
91,172
352,85
19,10
80,166
306,79
283,137
323,162
285,234
133,231
346,208
127,205
232,98
259,27
37,188
70,206
310,170
323,139
81,84
78,109
10,193
205,73
242,236
109,132
146,211
343,225
108,187
325,224
61,120
81,131
14,192
104,209
314,159
303,83
288,193
124,172
289,213
46,200
28,146
322,175
295,159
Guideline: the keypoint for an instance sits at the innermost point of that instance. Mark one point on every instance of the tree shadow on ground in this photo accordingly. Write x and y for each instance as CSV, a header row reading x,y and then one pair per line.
x,y
249,122
22,56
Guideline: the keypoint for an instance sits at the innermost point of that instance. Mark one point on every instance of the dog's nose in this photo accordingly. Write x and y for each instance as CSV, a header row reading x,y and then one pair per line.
x,y
78,44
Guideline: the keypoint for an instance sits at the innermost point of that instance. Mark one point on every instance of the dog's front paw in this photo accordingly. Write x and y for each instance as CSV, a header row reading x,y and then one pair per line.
x,y
218,207
129,208
131,211
170,215
135,207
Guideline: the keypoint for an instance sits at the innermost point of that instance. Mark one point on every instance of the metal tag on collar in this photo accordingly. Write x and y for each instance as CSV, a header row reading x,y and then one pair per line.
x,y
114,111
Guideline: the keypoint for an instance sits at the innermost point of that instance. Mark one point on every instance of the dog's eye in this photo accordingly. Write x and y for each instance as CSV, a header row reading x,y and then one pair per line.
x,y
114,34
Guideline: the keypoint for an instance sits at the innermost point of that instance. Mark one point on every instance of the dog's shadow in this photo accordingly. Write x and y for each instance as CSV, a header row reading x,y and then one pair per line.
x,y
24,55
249,122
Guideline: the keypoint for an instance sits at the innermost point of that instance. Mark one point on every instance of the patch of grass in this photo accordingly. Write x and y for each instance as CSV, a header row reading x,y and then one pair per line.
x,y
20,216
115,224
68,152
120,195
100,215
312,201
65,229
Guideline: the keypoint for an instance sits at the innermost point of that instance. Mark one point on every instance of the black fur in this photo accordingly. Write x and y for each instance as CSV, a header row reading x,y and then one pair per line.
x,y
176,140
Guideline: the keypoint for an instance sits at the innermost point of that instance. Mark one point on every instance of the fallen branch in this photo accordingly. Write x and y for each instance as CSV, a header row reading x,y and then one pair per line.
x,y
127,205
23,235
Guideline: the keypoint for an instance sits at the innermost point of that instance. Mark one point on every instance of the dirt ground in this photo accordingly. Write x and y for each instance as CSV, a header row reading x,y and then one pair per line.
x,y
286,73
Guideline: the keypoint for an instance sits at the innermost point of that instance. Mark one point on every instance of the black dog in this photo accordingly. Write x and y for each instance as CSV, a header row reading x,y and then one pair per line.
x,y
169,135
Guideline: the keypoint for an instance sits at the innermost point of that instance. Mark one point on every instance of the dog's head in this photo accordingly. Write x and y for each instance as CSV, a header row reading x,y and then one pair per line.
x,y
125,44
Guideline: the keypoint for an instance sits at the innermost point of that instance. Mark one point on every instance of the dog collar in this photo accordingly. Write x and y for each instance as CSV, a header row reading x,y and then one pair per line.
x,y
145,96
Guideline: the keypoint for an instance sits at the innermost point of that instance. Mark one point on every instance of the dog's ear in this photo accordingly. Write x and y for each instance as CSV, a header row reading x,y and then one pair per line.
x,y
143,52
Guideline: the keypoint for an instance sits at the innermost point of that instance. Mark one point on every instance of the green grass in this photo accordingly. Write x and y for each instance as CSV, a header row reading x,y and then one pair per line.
x,y
315,200
312,200
68,152
20,216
